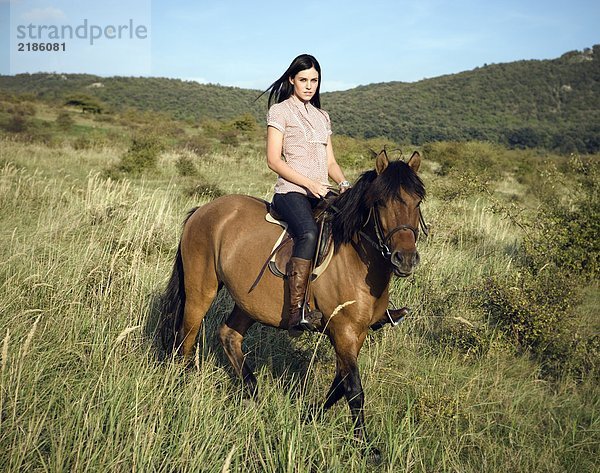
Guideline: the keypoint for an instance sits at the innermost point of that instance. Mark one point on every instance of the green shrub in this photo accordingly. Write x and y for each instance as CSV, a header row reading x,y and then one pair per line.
x,y
530,309
457,184
142,155
245,123
354,153
87,103
537,309
229,137
536,313
22,108
567,239
350,152
564,236
479,158
201,189
64,121
560,255
17,123
200,145
185,166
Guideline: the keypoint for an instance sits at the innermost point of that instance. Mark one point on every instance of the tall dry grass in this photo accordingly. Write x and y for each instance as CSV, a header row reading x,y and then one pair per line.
x,y
82,262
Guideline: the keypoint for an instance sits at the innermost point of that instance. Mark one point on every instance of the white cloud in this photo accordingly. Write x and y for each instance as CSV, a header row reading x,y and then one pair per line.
x,y
200,80
333,85
44,14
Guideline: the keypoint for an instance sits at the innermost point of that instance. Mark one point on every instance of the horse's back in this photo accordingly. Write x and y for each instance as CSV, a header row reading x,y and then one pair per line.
x,y
230,237
227,222
228,206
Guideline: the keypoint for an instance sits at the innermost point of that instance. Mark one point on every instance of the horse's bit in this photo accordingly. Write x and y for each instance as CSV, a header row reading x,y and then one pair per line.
x,y
383,240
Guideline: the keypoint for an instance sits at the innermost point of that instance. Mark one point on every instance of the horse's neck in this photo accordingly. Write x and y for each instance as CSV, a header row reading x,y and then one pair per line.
x,y
364,261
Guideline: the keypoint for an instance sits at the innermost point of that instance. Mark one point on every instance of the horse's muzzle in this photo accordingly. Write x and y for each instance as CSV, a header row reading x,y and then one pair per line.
x,y
404,262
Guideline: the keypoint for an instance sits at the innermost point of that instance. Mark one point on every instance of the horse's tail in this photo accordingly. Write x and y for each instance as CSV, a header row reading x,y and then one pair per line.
x,y
173,303
173,300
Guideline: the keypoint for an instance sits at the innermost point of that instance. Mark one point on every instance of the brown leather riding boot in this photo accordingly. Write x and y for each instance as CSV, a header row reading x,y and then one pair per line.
x,y
298,272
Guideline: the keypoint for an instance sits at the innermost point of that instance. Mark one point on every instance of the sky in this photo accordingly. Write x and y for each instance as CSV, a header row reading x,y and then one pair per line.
x,y
249,44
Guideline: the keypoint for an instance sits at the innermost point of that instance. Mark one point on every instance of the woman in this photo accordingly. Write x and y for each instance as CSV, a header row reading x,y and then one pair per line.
x,y
299,150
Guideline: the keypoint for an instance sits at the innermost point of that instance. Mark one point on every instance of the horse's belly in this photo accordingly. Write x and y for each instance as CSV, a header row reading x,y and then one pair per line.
x,y
244,240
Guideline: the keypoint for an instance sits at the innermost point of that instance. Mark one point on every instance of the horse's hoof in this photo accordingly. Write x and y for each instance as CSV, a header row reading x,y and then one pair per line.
x,y
300,327
247,403
295,331
374,455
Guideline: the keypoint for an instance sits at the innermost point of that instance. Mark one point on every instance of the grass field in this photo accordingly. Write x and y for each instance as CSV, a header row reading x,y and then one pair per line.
x,y
84,258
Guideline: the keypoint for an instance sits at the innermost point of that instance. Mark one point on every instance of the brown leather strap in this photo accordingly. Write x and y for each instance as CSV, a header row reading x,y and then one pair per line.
x,y
264,267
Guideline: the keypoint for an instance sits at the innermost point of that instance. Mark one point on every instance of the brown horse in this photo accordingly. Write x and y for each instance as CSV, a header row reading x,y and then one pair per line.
x,y
226,242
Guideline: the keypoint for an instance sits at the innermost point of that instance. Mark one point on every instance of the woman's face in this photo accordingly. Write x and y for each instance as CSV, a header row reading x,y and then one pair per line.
x,y
305,84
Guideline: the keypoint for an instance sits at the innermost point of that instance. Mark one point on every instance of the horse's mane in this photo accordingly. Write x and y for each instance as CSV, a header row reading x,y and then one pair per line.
x,y
353,206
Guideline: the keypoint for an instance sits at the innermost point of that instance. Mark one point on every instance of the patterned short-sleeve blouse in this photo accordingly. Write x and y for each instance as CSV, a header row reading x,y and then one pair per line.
x,y
306,130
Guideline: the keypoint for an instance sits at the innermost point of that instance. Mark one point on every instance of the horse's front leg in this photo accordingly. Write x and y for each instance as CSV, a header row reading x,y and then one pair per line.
x,y
336,391
355,396
347,346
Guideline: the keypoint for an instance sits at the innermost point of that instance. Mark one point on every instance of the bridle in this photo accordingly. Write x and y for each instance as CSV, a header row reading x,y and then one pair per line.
x,y
383,240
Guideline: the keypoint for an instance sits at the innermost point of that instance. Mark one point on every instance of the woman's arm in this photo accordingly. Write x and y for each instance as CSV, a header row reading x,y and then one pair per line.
x,y
278,165
333,168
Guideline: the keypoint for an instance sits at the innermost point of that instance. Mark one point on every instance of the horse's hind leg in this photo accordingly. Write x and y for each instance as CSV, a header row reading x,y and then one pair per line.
x,y
198,301
231,335
335,393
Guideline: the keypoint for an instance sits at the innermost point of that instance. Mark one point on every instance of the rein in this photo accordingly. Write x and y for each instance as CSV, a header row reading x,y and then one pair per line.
x,y
382,240
381,244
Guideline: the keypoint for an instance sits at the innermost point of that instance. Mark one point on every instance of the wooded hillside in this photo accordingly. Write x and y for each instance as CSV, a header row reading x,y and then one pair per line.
x,y
553,104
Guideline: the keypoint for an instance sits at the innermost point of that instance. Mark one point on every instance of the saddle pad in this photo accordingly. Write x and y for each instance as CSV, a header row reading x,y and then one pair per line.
x,y
283,252
269,218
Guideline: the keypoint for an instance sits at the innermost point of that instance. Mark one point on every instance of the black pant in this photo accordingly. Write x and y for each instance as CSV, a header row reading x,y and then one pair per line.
x,y
296,210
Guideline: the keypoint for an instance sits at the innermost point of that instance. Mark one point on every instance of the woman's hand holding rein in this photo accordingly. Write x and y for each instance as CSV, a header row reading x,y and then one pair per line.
x,y
317,189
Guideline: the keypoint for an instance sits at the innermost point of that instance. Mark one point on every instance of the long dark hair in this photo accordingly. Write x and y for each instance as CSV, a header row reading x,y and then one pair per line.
x,y
281,89
354,205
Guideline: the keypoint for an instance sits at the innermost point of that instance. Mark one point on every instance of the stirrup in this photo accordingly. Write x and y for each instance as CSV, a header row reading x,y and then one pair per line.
x,y
394,317
306,324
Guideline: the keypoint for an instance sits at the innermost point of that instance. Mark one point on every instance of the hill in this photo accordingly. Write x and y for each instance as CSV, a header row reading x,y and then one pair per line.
x,y
537,103
550,103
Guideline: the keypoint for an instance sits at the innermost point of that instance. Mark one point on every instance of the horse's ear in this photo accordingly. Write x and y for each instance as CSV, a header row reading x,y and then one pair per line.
x,y
415,161
381,162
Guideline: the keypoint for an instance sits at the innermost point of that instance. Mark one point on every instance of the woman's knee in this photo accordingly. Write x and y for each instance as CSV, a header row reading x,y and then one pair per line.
x,y
306,244
309,237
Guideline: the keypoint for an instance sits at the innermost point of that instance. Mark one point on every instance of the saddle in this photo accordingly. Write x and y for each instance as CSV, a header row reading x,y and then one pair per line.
x,y
282,249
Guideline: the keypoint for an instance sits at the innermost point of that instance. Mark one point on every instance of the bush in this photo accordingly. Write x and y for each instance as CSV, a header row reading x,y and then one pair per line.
x,y
479,158
230,137
85,102
457,185
198,144
536,314
201,189
354,153
531,310
142,155
245,123
185,166
560,254
564,236
64,121
17,123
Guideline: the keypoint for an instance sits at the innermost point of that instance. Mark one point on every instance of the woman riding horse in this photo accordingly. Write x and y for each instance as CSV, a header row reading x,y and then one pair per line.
x,y
375,231
300,132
